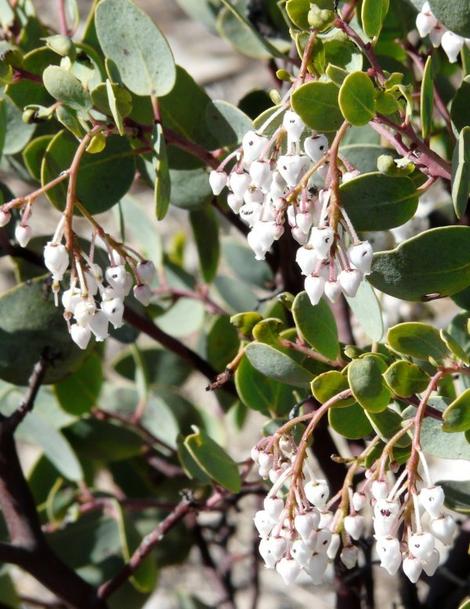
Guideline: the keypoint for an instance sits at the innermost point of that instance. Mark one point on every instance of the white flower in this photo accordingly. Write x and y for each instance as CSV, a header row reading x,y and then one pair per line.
x,y
361,255
301,552
432,499
316,146
239,183
253,195
334,546
412,568
119,279
317,566
261,174
293,124
421,545
436,35
425,22
56,259
70,299
388,550
348,556
253,146
114,311
443,528
273,506
146,271
452,45
84,311
278,185
305,524
291,167
304,220
354,526
143,294
307,260
323,540
379,489
80,335
314,286
299,235
234,202
317,492
23,234
431,563
358,501
266,552
217,181
98,324
350,281
261,237
5,217
264,523
333,290
289,570
322,240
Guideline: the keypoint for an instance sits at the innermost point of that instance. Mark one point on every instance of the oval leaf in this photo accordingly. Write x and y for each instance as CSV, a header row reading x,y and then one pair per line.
x,y
357,98
457,415
277,365
316,325
317,104
417,340
367,384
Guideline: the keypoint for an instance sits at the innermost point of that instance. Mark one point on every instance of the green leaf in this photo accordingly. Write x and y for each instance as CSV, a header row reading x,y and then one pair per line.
x,y
260,393
17,133
406,379
9,597
35,429
103,178
316,325
461,173
78,393
373,13
161,367
456,416
457,498
386,424
213,460
277,365
436,442
351,422
66,88
134,43
317,104
33,154
145,577
297,11
227,123
162,187
367,384
103,441
366,308
328,384
357,98
375,201
183,318
190,188
31,325
454,14
458,331
237,294
222,342
427,98
406,272
113,100
418,340
240,260
460,109
206,234
364,156
140,228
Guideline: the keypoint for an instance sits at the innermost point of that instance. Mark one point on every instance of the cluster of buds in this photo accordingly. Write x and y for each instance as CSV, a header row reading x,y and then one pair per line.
x,y
95,297
428,25
302,530
281,179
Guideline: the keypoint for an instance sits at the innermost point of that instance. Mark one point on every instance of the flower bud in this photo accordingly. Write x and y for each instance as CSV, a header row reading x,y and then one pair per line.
x,y
116,276
80,335
412,568
443,528
452,45
23,234
350,281
348,556
425,22
316,146
314,286
354,526
317,492
299,235
265,460
5,217
289,570
146,271
421,545
98,324
217,181
305,221
143,294
305,524
56,259
114,311
70,299
361,255
432,499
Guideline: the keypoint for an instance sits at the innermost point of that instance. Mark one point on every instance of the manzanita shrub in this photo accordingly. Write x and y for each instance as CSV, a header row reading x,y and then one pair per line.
x,y
320,211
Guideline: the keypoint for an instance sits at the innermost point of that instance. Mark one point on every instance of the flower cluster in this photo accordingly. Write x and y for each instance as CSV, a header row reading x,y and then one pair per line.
x,y
281,179
302,530
428,25
94,298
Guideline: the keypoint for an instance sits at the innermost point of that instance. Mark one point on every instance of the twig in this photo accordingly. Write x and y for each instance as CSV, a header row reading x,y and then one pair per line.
x,y
34,384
